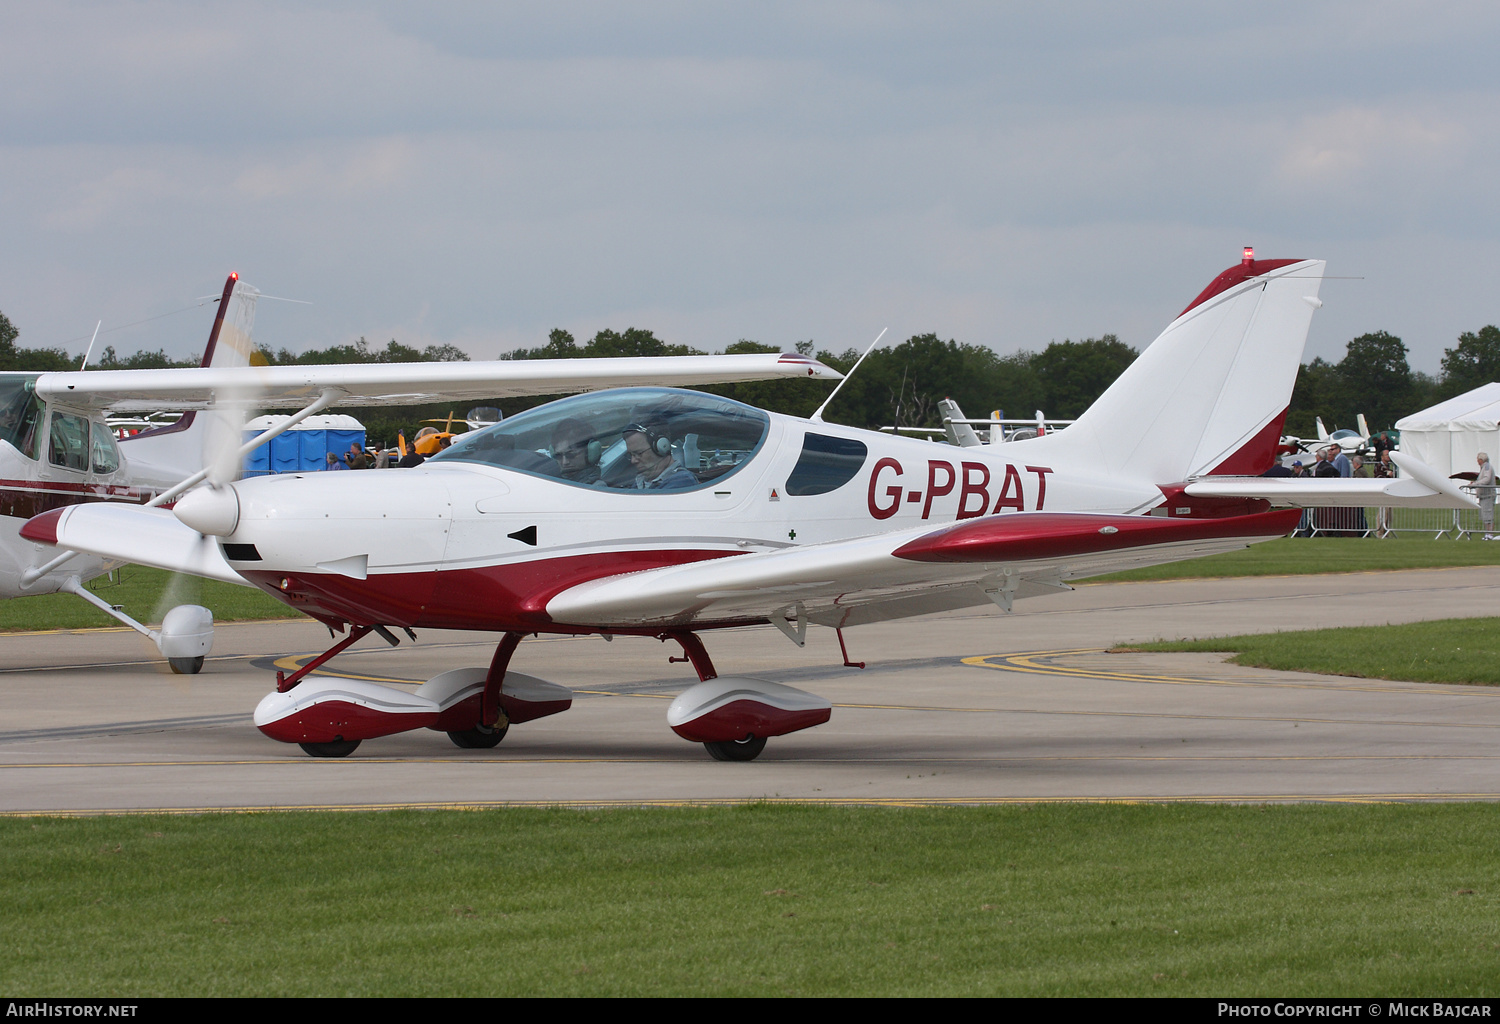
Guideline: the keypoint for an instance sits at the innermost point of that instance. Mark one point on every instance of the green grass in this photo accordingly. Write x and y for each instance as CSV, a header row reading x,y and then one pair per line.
x,y
1293,556
146,594
761,900
1440,651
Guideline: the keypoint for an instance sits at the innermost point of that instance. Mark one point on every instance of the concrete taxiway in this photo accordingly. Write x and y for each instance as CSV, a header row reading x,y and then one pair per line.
x,y
974,707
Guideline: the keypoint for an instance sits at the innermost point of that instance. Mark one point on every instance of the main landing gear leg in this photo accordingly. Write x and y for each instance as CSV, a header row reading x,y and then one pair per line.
x,y
338,747
492,721
696,653
748,747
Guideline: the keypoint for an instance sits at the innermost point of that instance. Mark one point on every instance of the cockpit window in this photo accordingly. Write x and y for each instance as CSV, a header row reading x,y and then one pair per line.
x,y
827,463
68,442
103,453
633,439
20,412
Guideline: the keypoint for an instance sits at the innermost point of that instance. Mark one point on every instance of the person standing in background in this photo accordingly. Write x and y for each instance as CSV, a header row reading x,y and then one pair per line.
x,y
1484,490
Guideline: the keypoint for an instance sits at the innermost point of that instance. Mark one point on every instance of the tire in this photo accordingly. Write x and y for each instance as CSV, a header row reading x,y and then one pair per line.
x,y
481,737
747,749
186,666
336,748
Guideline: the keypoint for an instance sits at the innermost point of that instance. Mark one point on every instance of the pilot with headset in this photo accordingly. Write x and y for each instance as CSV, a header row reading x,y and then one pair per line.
x,y
651,455
575,451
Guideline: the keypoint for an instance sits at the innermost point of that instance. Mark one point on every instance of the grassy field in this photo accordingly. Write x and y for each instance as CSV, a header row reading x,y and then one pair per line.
x,y
760,900
146,595
1441,651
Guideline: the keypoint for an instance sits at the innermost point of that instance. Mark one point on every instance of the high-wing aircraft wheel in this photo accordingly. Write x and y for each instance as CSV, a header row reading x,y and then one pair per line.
x,y
186,666
747,749
334,748
481,737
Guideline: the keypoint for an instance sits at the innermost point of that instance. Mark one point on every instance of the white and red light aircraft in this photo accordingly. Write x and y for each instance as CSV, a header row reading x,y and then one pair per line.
x,y
57,451
651,511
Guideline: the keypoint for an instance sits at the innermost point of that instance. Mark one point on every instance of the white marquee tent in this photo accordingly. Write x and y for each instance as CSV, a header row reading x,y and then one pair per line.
x,y
1449,435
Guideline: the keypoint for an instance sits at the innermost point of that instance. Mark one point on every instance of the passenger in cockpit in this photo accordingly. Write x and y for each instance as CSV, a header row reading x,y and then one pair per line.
x,y
651,455
576,451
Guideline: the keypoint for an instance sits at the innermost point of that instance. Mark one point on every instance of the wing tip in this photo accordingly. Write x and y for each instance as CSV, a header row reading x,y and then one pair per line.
x,y
43,528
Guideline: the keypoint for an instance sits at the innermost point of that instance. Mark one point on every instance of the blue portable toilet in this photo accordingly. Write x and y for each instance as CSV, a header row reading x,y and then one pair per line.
x,y
305,447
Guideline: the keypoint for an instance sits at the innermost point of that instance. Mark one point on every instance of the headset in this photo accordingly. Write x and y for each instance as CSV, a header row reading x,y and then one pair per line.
x,y
592,449
660,444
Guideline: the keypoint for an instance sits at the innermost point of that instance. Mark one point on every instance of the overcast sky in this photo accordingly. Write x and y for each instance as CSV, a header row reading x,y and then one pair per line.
x,y
1003,174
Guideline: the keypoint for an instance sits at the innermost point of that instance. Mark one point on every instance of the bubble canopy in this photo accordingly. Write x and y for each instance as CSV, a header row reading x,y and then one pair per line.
x,y
641,440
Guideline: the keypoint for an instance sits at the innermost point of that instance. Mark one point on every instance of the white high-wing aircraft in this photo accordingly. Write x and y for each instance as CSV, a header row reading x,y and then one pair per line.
x,y
1344,440
56,451
657,512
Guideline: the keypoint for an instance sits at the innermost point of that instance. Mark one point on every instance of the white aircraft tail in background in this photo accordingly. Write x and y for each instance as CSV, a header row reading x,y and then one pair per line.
x,y
165,455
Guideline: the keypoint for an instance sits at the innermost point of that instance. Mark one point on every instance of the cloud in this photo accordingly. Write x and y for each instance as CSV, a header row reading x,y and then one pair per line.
x,y
478,173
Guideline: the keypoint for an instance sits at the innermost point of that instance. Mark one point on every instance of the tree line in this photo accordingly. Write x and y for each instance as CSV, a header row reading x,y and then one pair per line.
x,y
1374,378
900,385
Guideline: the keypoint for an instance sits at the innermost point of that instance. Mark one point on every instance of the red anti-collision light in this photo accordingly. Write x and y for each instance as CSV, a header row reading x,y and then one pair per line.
x,y
234,275
1249,256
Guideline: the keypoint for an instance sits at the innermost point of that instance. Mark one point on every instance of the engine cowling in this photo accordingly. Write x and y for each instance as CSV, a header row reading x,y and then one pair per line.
x,y
733,707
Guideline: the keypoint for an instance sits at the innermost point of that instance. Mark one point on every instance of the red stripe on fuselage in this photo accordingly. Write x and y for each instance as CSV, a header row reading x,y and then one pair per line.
x,y
510,596
24,499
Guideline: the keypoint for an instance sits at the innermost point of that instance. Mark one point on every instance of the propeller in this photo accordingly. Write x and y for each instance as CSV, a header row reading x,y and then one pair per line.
x,y
207,501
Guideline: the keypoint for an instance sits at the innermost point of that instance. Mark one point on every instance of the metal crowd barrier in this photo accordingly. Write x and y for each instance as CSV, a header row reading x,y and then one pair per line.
x,y
1458,523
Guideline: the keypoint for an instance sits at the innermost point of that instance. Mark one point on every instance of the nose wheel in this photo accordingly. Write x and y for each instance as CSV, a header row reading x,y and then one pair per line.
x,y
747,749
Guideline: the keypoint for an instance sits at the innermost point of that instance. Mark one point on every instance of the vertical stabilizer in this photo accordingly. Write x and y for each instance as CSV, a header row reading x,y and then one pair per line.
x,y
179,450
961,434
1210,394
229,341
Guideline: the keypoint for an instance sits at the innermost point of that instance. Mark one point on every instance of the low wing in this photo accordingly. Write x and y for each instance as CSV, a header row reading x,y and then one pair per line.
x,y
130,533
911,572
367,384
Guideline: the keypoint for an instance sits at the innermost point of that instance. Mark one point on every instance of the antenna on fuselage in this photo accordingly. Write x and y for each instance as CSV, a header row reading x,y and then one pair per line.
x,y
817,417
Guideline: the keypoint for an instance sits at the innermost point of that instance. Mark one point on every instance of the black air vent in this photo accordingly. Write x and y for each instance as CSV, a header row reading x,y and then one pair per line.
x,y
241,553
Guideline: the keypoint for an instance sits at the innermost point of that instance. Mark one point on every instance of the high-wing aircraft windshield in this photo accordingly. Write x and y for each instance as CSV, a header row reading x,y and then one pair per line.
x,y
634,438
20,410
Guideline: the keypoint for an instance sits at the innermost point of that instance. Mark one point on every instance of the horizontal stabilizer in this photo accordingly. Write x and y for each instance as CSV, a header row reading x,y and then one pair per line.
x,y
1304,492
1422,487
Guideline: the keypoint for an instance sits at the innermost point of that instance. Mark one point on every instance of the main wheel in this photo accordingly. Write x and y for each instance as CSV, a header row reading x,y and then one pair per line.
x,y
747,749
335,748
481,737
186,666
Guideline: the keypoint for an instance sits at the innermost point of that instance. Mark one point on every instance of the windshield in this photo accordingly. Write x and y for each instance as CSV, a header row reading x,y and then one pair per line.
x,y
631,439
20,411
